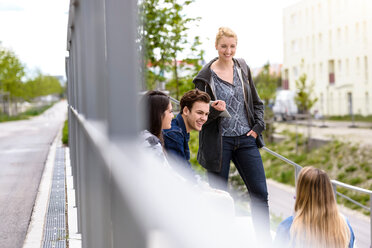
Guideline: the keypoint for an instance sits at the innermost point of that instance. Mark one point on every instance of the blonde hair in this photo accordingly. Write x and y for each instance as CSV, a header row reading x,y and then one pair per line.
x,y
317,222
225,32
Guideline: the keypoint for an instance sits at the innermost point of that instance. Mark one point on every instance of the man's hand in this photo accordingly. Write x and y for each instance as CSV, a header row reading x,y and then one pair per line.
x,y
252,133
219,105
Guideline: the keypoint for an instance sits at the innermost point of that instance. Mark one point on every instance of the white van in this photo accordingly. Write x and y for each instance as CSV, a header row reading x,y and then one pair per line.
x,y
285,107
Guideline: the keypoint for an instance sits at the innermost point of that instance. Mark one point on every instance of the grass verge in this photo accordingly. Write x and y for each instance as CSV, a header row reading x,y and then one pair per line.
x,y
25,115
65,133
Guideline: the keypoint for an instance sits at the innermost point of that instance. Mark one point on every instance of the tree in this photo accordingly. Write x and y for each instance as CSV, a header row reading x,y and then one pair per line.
x,y
42,85
190,66
163,35
266,84
11,73
305,102
304,93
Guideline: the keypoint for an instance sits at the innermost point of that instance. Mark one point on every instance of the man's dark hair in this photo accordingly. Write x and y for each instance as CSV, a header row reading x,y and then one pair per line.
x,y
192,96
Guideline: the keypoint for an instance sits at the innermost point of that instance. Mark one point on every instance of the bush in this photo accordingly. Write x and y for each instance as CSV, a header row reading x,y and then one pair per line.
x,y
65,133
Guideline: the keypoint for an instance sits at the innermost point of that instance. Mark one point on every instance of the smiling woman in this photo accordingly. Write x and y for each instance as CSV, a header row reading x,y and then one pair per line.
x,y
237,138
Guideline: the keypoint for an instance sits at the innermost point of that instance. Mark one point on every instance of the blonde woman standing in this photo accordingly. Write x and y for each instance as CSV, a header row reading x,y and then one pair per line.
x,y
229,83
316,222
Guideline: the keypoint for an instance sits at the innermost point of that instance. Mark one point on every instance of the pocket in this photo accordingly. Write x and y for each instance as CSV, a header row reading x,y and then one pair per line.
x,y
259,141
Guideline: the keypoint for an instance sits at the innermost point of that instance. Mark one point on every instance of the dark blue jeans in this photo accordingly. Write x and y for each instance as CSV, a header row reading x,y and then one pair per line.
x,y
243,151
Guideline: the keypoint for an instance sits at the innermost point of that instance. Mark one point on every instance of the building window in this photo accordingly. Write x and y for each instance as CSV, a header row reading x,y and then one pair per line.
x,y
347,67
367,103
339,66
321,70
320,41
314,72
329,11
366,69
365,39
357,66
346,34
285,83
285,50
294,46
313,45
357,32
307,43
293,19
320,11
350,102
331,72
330,40
295,72
339,36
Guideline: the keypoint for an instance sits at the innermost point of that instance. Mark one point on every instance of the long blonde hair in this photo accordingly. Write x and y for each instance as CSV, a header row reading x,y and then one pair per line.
x,y
317,222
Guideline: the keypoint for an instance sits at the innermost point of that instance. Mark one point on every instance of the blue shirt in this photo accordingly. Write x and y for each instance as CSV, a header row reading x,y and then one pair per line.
x,y
176,140
282,237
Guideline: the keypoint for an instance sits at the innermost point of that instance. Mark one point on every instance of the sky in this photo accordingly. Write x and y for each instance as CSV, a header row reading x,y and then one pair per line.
x,y
37,30
258,25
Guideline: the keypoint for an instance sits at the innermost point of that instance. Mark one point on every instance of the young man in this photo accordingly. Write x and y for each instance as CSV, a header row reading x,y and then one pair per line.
x,y
193,114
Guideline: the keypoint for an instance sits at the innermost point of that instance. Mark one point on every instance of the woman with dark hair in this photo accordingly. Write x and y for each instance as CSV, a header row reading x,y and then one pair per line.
x,y
158,116
316,221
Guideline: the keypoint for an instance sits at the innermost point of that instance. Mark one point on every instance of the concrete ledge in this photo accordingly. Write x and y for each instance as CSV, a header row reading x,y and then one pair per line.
x,y
34,236
74,238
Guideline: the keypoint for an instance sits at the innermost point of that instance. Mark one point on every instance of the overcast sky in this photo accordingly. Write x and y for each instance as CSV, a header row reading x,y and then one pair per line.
x,y
36,29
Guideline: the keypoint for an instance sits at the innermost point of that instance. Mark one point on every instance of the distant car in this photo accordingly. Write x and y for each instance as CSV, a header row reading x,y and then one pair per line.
x,y
285,107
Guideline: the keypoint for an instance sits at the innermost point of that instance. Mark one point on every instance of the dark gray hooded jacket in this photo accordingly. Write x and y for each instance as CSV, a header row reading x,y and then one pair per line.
x,y
210,139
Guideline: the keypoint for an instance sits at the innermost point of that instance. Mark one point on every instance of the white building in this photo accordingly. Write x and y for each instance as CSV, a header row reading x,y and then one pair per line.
x,y
331,42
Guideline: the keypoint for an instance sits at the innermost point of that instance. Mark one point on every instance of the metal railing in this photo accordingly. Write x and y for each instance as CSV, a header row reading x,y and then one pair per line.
x,y
335,185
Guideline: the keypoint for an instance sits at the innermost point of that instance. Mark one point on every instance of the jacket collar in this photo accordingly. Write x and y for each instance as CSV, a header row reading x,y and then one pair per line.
x,y
205,73
181,124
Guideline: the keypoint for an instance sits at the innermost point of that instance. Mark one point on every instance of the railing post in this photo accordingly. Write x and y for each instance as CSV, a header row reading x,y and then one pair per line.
x,y
297,171
335,191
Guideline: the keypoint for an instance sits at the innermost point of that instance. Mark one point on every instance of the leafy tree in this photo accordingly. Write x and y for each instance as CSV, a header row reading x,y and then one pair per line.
x,y
305,102
266,84
163,36
304,93
42,85
190,66
11,73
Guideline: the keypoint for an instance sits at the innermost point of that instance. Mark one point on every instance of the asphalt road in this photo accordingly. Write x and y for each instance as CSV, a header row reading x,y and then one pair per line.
x,y
24,146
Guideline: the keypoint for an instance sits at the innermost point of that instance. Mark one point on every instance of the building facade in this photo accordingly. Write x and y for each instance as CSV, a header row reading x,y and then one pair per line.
x,y
331,42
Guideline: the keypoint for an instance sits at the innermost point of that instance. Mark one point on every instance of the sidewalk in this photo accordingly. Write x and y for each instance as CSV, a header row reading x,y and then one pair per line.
x,y
48,224
333,130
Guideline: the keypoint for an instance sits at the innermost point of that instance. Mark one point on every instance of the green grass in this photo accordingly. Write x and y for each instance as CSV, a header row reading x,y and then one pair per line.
x,y
344,162
65,133
25,115
348,118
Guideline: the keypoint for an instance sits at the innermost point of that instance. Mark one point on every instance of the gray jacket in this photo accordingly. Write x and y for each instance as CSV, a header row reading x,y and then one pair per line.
x,y
210,139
